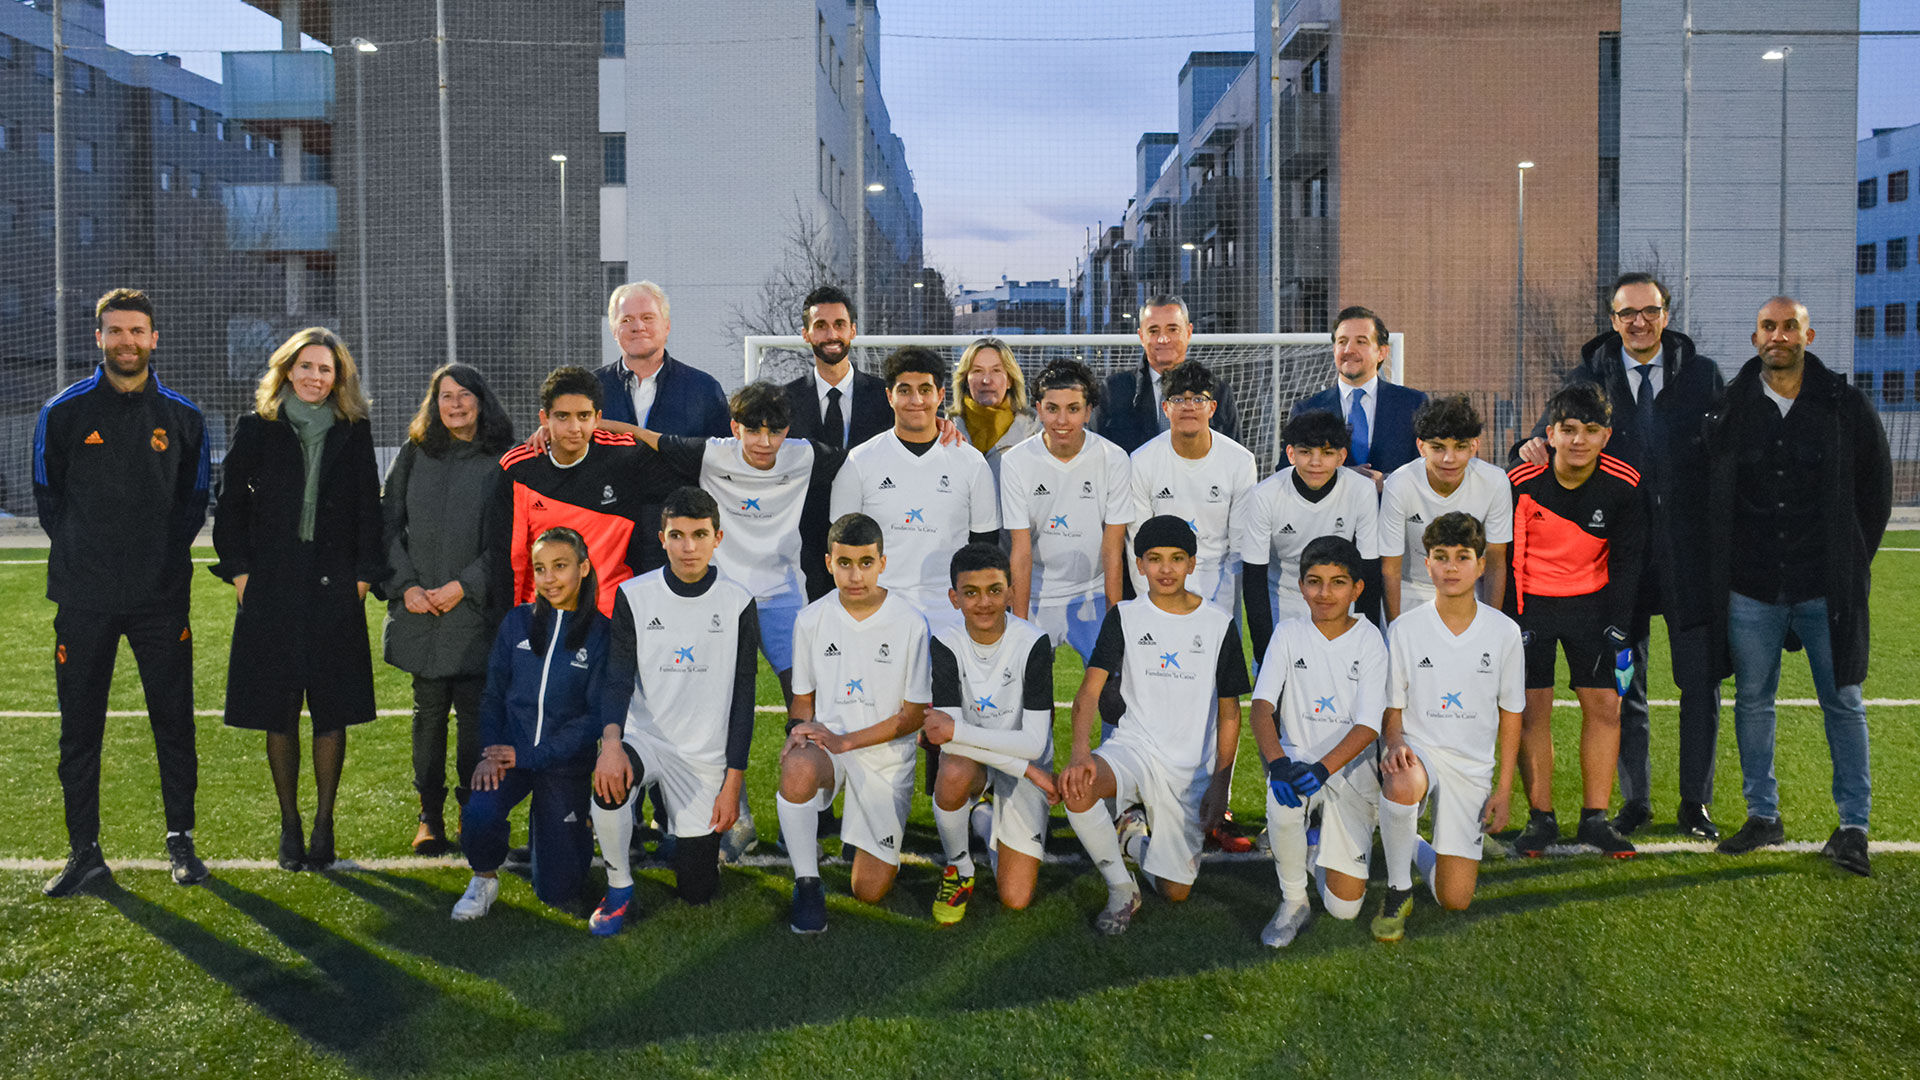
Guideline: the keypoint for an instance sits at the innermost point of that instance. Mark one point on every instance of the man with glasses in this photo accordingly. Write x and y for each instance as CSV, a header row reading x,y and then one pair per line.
x,y
1661,390
1130,412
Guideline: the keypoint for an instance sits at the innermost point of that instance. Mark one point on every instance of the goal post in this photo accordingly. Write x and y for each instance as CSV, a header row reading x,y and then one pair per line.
x,y
1266,373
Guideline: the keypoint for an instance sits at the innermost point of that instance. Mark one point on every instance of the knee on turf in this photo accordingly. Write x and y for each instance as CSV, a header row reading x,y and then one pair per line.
x,y
1339,908
696,868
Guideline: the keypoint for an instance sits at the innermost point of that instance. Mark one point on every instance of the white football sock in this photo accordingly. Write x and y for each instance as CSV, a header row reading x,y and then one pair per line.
x,y
800,831
1287,837
1398,822
1425,857
1094,827
614,829
953,838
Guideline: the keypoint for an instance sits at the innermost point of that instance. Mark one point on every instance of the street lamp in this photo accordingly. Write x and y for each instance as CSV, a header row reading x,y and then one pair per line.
x,y
876,187
361,46
1781,55
1520,295
560,273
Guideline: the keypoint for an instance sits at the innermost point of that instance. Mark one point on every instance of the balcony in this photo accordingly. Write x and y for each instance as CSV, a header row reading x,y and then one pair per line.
x,y
1303,142
282,217
1304,248
277,86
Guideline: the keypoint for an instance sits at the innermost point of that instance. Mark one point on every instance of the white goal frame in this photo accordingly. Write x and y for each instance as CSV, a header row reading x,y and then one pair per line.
x,y
757,344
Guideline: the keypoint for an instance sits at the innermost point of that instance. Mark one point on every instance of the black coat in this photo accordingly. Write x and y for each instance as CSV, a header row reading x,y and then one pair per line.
x,y
1671,459
1856,476
1129,418
303,628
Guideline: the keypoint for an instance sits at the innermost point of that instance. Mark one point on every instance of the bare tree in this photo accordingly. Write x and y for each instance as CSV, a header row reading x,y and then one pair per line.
x,y
809,257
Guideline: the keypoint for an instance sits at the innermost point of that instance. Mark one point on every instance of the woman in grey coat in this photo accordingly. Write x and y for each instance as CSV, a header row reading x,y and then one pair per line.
x,y
450,582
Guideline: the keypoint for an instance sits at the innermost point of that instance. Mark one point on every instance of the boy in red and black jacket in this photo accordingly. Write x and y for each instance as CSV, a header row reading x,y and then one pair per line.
x,y
1579,541
597,483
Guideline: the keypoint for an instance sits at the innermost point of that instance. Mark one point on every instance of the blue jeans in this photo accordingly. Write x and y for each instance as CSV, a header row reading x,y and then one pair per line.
x,y
1756,632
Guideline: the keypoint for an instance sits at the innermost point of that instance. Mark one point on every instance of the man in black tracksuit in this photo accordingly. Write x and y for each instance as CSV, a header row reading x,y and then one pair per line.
x,y
1662,392
120,470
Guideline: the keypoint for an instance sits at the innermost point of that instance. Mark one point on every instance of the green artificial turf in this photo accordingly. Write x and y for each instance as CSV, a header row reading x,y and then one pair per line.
x,y
1677,965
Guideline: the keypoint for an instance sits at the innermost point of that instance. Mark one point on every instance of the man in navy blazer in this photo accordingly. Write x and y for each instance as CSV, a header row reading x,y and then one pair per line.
x,y
835,406
1382,431
1130,414
646,386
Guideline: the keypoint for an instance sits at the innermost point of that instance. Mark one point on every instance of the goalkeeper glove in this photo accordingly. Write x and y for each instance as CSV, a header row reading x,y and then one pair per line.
x,y
1307,779
1280,782
1622,659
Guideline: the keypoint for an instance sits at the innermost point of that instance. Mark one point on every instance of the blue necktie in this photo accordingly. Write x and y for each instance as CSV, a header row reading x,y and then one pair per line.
x,y
1362,439
1644,403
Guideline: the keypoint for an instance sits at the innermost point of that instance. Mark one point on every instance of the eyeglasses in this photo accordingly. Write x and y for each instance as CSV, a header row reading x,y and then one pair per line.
x,y
1190,401
1627,315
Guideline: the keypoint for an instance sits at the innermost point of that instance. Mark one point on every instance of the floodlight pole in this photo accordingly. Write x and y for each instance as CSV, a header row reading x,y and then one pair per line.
x,y
1782,54
59,196
1520,297
446,173
361,46
1273,229
860,162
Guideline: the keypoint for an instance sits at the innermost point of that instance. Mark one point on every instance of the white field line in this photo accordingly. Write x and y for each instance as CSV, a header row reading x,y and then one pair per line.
x,y
1569,703
1559,703
767,862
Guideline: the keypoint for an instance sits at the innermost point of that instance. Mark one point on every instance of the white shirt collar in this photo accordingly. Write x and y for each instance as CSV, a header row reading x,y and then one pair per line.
x,y
821,385
1371,386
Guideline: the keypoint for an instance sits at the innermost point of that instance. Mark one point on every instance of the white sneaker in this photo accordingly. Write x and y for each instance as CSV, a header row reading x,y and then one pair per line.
x,y
1129,825
738,840
478,899
1291,918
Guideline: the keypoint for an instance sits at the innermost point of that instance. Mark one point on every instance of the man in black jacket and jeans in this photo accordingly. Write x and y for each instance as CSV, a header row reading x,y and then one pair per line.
x,y
1662,391
120,475
1802,488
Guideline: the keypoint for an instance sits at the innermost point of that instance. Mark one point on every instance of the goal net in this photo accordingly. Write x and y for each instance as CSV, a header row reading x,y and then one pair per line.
x,y
1266,373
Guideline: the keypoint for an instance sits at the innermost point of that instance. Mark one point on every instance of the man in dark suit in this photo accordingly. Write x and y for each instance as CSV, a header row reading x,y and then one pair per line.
x,y
1379,414
1662,391
1130,414
834,405
648,388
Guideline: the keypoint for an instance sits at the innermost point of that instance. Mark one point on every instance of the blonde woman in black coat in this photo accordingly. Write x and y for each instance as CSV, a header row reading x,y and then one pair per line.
x,y
298,533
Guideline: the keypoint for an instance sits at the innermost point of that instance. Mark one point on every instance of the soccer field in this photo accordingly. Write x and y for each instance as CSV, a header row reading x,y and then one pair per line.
x,y
1679,963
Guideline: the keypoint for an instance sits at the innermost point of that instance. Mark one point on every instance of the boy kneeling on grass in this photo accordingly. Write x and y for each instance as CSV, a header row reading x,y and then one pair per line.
x,y
1316,712
1182,674
546,701
1456,685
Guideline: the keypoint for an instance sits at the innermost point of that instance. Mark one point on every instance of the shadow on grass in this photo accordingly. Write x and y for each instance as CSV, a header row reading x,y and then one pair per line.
x,y
343,1005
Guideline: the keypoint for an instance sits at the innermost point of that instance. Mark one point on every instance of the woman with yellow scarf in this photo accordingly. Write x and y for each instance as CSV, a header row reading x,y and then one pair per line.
x,y
990,400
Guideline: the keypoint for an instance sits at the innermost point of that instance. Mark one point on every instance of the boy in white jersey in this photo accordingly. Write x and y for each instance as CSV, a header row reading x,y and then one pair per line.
x,y
761,481
993,718
1066,502
1316,712
928,497
1197,475
683,661
860,693
1181,672
1456,685
1448,477
1313,497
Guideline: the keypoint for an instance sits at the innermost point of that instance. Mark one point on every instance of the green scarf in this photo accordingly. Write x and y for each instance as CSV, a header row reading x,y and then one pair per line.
x,y
310,423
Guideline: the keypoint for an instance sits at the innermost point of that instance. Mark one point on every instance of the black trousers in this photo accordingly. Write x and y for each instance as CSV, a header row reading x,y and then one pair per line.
x,y
1699,734
432,699
85,646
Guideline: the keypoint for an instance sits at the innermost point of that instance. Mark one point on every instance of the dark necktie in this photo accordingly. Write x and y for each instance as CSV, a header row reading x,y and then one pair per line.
x,y
834,428
1644,402
1361,438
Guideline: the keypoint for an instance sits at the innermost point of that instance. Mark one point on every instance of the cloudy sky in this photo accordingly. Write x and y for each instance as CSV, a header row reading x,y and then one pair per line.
x,y
1019,118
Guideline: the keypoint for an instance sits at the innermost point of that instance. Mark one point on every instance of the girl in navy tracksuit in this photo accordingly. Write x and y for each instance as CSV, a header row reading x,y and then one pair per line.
x,y
545,705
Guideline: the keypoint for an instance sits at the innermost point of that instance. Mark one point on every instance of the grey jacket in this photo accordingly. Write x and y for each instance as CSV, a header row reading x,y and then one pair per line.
x,y
437,516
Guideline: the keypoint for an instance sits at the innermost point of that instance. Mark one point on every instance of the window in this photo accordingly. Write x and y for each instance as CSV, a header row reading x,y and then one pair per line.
x,y
613,151
220,131
1863,258
83,229
246,140
193,118
163,110
613,30
12,304
1313,77
820,166
832,193
820,39
840,186
9,210
840,79
43,220
1313,197
83,156
42,63
1897,186
79,78
1863,382
1895,319
6,137
1893,388
43,145
6,49
612,276
1897,253
1863,322
166,178
1869,193
272,148
195,181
